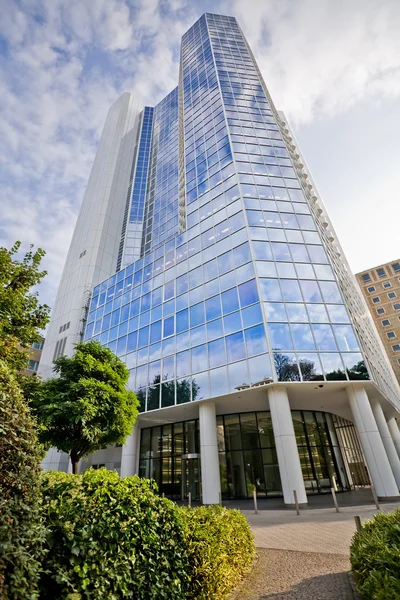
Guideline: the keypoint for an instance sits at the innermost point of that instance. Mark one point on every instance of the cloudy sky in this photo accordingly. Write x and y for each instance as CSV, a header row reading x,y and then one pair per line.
x,y
333,66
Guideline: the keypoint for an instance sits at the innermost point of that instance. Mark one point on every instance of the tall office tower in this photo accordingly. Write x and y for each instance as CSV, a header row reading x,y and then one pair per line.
x,y
381,289
226,293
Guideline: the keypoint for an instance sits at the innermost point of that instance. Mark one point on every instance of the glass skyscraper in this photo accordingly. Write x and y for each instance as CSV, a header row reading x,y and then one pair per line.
x,y
204,257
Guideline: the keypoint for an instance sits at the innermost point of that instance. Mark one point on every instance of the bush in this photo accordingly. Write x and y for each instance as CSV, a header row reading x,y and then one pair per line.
x,y
221,550
21,523
110,538
375,557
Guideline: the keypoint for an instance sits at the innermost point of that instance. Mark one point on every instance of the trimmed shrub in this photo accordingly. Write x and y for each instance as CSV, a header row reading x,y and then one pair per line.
x,y
375,557
21,524
111,538
221,550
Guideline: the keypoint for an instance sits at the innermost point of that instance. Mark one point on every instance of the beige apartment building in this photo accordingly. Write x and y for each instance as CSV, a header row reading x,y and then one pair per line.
x,y
381,288
34,354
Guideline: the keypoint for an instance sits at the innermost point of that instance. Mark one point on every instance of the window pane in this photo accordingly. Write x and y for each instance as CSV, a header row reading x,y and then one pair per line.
x,y
324,337
280,336
256,342
291,290
302,336
345,337
275,311
235,346
270,289
230,301
199,358
248,293
286,367
216,353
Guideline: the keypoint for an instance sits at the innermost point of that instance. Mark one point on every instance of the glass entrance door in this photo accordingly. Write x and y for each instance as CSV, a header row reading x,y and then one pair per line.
x,y
191,476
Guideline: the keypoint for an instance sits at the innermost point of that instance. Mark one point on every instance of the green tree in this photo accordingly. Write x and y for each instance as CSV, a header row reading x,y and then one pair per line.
x,y
87,407
21,314
22,531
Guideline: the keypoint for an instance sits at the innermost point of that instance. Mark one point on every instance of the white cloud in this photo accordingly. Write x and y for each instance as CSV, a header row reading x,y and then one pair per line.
x,y
323,57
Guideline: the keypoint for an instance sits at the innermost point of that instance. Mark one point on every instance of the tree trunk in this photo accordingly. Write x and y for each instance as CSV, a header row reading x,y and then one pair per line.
x,y
75,463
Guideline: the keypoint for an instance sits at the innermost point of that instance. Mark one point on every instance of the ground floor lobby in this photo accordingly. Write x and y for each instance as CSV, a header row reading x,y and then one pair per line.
x,y
280,440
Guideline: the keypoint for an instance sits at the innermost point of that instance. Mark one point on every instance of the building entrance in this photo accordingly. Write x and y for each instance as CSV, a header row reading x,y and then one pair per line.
x,y
191,477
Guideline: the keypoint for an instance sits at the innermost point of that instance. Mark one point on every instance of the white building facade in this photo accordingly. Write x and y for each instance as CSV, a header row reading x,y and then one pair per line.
x,y
204,257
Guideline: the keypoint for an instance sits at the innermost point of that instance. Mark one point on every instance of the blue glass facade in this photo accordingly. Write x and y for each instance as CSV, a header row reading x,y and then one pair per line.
x,y
246,292
139,185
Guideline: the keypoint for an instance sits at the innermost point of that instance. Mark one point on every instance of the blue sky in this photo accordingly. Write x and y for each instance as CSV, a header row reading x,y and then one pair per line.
x,y
332,66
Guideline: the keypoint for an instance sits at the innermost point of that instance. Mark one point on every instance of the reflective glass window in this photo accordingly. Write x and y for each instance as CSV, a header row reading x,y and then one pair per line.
x,y
256,342
280,336
291,290
345,337
216,353
310,366
197,314
235,346
169,326
230,301
275,311
302,336
286,367
248,293
262,250
297,313
317,313
219,381
199,358
252,315
330,291
260,368
310,291
168,368
200,386
324,337
155,332
182,320
183,363
333,366
238,375
270,289
232,322
213,308
214,329
338,313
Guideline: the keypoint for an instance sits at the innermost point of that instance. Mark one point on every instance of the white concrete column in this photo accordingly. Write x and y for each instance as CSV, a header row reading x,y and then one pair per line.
x,y
371,442
129,453
286,447
395,433
210,478
386,439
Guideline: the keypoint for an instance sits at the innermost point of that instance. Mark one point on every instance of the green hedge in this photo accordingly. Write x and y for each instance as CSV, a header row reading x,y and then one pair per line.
x,y
112,538
21,524
221,550
375,557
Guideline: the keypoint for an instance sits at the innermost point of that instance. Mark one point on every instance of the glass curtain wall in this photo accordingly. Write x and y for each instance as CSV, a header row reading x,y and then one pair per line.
x,y
329,450
163,455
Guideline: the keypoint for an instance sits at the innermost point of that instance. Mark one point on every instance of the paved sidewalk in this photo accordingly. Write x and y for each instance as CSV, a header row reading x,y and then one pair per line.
x,y
283,575
314,530
303,557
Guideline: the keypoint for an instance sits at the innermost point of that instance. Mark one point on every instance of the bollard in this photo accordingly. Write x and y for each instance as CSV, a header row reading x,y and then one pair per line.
x,y
255,502
335,499
220,499
190,499
358,522
163,495
296,502
375,497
